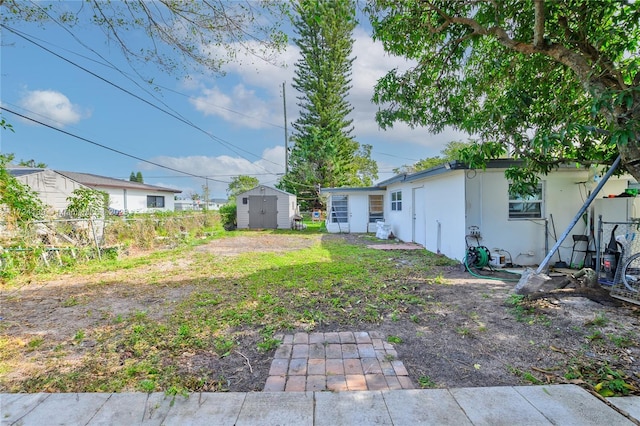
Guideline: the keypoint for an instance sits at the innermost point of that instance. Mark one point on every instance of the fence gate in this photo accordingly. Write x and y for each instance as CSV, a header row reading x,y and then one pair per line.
x,y
263,212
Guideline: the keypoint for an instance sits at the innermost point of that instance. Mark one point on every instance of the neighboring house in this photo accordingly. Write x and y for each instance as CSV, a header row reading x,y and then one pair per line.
x,y
54,187
264,207
441,207
188,205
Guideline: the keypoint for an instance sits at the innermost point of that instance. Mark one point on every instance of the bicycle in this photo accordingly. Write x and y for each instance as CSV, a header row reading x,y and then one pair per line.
x,y
631,273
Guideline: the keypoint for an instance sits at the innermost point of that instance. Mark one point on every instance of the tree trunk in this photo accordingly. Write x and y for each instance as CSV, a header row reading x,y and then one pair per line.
x,y
630,153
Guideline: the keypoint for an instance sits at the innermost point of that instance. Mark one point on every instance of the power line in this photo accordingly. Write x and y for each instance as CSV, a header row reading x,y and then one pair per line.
x,y
107,147
212,176
223,142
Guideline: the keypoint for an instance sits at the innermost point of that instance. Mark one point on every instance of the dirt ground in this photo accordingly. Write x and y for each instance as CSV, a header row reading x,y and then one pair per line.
x,y
473,337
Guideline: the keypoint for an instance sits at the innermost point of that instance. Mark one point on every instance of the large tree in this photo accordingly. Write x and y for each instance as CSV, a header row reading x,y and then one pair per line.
x,y
324,151
451,152
240,184
204,32
550,82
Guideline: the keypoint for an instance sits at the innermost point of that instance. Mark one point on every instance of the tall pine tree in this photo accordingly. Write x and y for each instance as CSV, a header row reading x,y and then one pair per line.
x,y
324,152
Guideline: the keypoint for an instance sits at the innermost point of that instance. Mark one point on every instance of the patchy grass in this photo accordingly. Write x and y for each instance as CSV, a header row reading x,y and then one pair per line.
x,y
183,317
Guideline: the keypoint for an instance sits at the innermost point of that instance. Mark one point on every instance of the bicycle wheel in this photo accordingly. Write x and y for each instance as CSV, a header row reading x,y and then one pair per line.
x,y
631,273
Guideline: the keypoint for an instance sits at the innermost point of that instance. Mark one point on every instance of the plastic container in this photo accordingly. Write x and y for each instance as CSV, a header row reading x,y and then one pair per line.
x,y
497,259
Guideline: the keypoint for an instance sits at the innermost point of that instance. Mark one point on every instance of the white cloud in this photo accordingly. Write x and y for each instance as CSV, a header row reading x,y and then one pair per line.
x,y
241,107
221,169
52,107
256,100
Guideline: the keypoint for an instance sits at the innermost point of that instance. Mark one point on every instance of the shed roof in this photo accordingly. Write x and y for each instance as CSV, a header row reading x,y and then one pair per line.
x,y
269,187
22,171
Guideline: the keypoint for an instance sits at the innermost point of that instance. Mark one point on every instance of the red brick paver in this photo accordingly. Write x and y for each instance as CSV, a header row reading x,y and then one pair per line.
x,y
336,361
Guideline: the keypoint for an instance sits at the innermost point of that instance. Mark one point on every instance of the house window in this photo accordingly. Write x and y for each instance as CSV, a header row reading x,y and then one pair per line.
x,y
396,200
376,208
155,201
339,209
527,206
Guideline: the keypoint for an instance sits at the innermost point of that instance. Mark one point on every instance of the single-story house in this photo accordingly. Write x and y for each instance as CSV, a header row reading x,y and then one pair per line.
x,y
447,207
54,187
190,205
264,207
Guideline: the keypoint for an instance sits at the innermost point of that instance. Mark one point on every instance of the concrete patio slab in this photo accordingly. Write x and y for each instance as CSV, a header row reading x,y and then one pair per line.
x,y
520,405
566,404
497,406
121,409
66,408
351,408
417,407
628,404
277,408
15,406
206,409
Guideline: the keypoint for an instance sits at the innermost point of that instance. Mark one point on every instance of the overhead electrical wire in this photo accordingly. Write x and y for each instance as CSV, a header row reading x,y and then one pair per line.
x,y
174,114
223,142
107,147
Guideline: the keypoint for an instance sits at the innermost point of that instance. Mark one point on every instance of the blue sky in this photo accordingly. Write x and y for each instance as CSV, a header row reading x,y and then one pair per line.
x,y
234,123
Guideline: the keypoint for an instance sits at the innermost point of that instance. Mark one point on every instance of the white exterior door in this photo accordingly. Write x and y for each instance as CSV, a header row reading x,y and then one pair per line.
x,y
419,206
358,213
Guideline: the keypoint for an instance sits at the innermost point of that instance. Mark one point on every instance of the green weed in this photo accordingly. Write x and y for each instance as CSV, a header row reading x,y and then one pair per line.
x,y
70,301
35,343
599,320
463,331
525,375
394,339
426,382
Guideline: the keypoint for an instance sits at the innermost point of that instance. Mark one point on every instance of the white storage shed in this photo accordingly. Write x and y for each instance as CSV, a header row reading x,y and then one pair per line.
x,y
264,207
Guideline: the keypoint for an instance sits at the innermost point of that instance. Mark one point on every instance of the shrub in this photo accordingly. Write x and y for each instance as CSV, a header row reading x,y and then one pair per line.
x,y
228,216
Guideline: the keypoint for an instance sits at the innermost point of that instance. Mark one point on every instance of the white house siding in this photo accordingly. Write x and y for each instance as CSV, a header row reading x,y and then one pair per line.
x,y
445,214
564,192
400,220
433,213
135,200
357,211
52,188
286,206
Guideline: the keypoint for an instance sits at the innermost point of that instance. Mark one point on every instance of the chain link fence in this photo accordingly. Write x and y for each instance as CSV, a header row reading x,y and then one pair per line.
x,y
615,244
62,241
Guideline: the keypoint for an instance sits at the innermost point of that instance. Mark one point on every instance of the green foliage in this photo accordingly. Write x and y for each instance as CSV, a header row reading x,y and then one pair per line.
x,y
564,91
136,177
426,382
240,184
228,216
5,125
324,151
22,202
451,152
394,339
231,26
86,203
32,163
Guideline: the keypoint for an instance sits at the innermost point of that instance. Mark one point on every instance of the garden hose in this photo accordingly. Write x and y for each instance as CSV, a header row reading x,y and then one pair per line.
x,y
480,258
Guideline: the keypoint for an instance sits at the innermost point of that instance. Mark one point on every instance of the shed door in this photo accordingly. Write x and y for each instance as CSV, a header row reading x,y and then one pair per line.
x,y
263,212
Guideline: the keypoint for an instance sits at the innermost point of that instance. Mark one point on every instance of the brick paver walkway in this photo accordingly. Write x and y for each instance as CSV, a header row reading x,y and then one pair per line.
x,y
344,361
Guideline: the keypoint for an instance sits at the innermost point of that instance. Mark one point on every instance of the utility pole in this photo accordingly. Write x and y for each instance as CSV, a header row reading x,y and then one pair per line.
x,y
286,135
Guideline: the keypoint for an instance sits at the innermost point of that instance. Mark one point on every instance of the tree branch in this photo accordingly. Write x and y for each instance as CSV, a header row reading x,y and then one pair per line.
x,y
538,29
